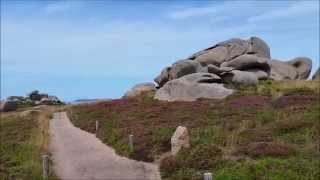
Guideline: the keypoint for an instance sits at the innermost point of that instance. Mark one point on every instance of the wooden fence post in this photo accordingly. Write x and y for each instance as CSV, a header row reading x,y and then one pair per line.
x,y
207,176
131,142
97,126
45,166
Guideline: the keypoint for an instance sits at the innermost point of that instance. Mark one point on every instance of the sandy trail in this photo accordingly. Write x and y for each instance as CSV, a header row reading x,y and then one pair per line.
x,y
79,155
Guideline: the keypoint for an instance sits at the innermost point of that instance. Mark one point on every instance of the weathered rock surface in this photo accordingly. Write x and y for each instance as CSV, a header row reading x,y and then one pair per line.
x,y
233,61
218,70
298,68
281,70
260,74
192,87
180,139
240,77
259,48
184,67
139,88
178,69
247,62
316,75
163,77
230,49
303,66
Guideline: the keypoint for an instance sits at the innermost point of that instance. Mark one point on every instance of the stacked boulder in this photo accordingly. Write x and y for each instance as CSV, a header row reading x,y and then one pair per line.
x,y
236,61
33,98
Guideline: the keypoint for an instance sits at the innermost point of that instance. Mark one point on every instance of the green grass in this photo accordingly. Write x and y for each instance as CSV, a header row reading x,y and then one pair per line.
x,y
23,140
224,139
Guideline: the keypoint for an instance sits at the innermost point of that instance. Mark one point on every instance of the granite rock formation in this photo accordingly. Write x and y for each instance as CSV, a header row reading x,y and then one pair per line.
x,y
234,61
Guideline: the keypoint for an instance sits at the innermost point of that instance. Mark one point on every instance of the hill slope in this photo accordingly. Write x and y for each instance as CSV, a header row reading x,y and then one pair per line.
x,y
268,131
24,138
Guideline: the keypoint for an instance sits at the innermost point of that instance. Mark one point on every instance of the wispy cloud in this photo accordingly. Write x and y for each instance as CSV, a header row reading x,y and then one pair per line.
x,y
194,12
294,9
216,10
60,7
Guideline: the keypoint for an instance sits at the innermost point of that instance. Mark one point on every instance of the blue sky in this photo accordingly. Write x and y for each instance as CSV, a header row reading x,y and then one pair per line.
x,y
99,49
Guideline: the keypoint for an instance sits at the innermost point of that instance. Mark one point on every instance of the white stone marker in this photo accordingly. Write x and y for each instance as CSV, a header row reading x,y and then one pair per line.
x,y
179,139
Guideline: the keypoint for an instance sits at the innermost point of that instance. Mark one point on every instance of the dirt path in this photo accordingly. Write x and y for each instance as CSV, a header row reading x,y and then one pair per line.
x,y
79,155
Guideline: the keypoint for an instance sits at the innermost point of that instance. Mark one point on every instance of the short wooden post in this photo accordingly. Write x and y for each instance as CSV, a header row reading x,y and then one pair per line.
x,y
207,176
97,125
45,166
131,142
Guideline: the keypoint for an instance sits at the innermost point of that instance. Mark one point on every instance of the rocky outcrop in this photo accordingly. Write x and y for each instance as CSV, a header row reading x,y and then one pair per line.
x,y
316,75
233,61
139,88
32,99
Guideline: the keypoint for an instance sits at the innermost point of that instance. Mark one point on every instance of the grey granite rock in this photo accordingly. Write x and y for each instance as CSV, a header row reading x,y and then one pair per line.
x,y
193,86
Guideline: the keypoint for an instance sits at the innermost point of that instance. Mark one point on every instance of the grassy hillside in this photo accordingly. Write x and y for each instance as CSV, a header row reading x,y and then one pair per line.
x,y
268,131
24,138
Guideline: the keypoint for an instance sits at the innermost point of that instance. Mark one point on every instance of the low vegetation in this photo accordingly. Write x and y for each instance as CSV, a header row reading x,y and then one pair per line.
x,y
268,131
24,138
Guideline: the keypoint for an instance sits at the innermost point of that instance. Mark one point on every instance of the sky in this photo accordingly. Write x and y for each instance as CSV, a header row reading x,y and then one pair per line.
x,y
100,49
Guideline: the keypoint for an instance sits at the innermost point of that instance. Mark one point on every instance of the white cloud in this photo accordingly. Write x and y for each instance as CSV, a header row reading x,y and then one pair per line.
x,y
294,9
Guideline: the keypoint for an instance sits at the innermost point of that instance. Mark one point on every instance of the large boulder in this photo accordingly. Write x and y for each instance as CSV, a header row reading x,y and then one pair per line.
x,y
248,61
303,66
178,69
192,87
298,68
281,71
230,49
184,67
316,75
240,77
140,88
214,56
221,52
260,74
